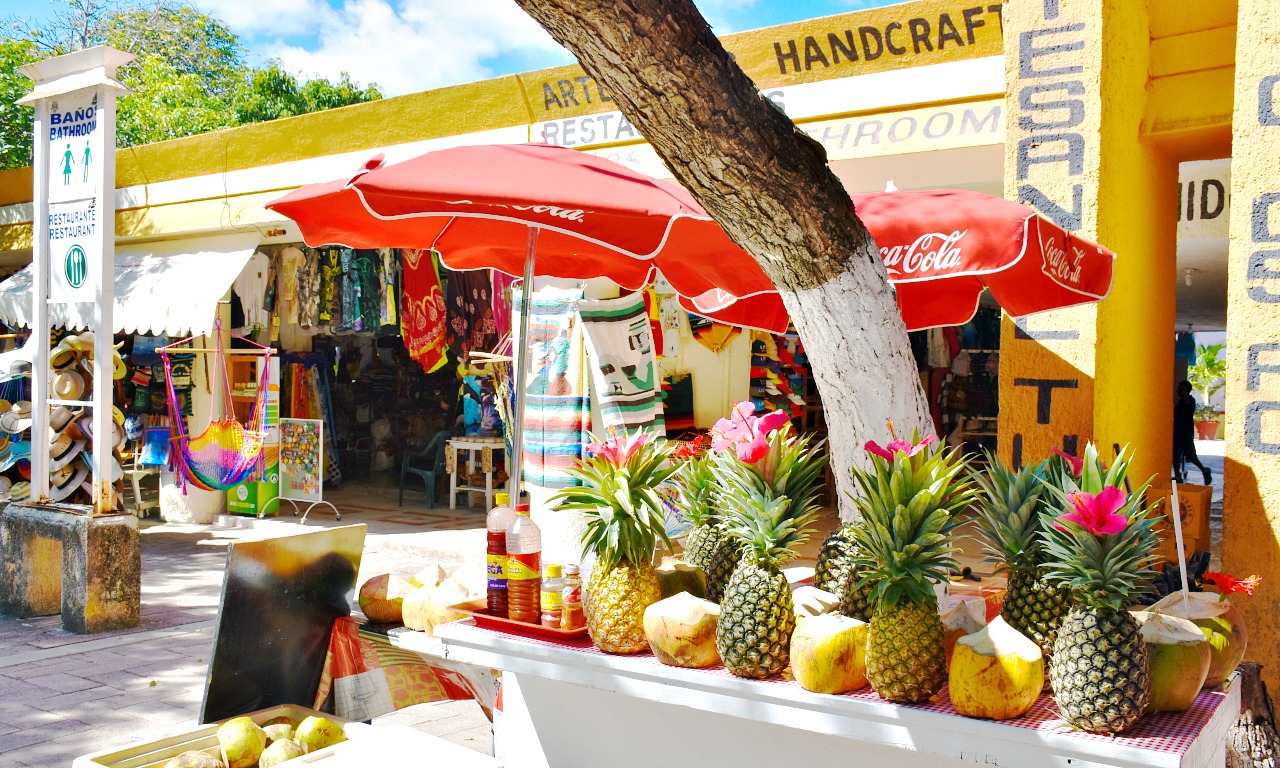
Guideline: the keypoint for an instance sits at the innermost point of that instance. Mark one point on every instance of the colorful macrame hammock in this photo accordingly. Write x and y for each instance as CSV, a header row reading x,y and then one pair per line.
x,y
227,452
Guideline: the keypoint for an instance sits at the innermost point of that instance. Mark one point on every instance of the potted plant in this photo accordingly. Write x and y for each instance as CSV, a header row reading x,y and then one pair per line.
x,y
1207,376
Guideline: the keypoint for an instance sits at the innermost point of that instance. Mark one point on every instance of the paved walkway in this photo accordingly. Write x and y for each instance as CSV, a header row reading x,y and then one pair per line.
x,y
64,695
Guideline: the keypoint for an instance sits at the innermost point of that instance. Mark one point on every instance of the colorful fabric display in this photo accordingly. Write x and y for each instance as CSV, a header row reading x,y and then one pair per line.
x,y
329,261
471,324
623,364
557,408
422,310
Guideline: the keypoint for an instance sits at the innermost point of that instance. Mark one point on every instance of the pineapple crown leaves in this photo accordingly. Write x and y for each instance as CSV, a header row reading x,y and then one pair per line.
x,y
618,498
770,524
908,507
696,480
1103,570
1065,473
1011,514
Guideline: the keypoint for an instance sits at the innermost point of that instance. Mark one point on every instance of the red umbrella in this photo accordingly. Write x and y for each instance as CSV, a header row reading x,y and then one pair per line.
x,y
475,206
943,247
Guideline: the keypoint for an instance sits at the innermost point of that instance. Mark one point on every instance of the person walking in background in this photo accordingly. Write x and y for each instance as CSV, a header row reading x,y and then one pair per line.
x,y
1184,435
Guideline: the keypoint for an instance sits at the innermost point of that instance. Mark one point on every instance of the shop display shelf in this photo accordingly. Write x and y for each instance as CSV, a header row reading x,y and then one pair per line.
x,y
854,723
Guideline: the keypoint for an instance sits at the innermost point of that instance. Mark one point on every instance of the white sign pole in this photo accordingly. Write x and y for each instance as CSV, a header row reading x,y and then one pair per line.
x,y
74,236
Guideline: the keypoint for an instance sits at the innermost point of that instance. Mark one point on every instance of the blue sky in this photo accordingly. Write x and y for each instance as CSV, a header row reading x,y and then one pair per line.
x,y
412,45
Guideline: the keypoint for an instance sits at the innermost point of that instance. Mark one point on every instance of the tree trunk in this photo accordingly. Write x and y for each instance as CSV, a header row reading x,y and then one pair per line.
x,y
769,186
1252,742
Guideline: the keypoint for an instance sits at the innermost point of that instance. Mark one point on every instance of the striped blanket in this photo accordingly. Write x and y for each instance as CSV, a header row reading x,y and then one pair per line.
x,y
623,364
557,405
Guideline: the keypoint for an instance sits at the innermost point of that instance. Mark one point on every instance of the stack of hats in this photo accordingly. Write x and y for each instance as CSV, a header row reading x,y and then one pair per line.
x,y
70,430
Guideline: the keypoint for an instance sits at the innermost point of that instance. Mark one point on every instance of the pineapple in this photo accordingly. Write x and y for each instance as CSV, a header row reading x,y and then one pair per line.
x,y
768,506
1101,547
1010,517
908,501
623,518
708,544
837,572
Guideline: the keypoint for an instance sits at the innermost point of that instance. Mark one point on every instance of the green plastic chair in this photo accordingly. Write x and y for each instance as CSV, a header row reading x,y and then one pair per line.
x,y
427,464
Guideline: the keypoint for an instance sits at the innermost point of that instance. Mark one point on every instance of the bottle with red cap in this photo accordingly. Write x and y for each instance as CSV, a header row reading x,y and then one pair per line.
x,y
524,568
497,522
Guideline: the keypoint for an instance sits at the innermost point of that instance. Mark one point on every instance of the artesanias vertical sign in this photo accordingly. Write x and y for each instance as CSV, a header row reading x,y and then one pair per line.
x,y
75,238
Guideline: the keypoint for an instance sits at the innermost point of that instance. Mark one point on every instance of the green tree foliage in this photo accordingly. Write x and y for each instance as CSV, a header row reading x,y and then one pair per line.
x,y
15,121
190,76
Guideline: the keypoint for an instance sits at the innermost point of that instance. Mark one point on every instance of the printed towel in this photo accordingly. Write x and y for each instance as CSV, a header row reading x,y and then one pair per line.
x,y
623,364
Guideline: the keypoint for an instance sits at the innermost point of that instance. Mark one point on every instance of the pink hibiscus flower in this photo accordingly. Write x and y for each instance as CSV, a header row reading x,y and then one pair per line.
x,y
895,446
746,433
1077,465
619,450
1096,514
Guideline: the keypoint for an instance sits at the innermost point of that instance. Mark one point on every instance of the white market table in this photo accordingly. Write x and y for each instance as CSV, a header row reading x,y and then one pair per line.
x,y
475,448
567,704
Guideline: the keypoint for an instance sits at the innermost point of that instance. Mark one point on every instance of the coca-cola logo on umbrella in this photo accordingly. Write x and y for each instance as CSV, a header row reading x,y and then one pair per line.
x,y
931,254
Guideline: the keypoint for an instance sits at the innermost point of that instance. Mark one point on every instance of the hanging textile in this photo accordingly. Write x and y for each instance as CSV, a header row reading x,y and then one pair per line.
x,y
502,313
422,310
388,281
227,452
366,291
251,287
309,289
471,326
623,366
288,282
712,335
330,276
557,408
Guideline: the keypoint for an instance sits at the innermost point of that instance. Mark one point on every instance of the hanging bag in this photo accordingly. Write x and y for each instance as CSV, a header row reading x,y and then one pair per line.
x,y
227,452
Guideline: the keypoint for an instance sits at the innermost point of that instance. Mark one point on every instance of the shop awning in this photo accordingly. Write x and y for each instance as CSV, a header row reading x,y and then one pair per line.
x,y
171,287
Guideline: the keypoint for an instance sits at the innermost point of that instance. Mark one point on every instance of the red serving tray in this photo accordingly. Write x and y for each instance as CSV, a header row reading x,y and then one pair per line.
x,y
478,610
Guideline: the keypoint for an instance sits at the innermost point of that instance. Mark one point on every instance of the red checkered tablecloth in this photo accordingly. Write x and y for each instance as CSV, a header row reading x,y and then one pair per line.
x,y
1168,732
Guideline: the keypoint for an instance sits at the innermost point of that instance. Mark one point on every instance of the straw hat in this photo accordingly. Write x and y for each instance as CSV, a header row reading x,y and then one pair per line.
x,y
13,453
65,447
85,425
68,384
17,418
113,469
5,488
20,491
60,417
87,488
118,370
64,481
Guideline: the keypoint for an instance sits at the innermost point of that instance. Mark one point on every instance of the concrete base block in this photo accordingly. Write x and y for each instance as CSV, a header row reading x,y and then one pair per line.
x,y
58,558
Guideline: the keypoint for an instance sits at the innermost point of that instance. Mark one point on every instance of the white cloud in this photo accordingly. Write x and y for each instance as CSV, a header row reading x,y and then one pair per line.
x,y
402,45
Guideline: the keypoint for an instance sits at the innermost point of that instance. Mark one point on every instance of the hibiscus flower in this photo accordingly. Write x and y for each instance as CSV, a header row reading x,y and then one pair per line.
x,y
619,450
747,433
1229,585
895,446
1096,514
1077,464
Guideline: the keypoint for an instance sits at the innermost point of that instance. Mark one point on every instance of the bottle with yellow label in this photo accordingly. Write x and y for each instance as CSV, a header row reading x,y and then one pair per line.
x,y
497,523
552,599
524,568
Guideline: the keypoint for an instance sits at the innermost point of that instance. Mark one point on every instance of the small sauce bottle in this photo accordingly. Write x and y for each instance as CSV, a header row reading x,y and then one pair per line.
x,y
571,614
552,599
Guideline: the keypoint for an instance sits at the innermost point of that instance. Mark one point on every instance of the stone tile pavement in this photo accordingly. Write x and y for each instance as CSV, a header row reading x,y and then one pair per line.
x,y
64,695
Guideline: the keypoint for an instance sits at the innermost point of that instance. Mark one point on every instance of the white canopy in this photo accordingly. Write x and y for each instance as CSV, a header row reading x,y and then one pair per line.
x,y
171,287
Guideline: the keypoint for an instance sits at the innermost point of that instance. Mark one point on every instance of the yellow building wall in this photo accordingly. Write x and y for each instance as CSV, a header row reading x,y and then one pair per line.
x,y
1251,507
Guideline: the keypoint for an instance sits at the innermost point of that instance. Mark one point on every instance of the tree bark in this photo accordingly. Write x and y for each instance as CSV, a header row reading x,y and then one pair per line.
x,y
769,186
1252,741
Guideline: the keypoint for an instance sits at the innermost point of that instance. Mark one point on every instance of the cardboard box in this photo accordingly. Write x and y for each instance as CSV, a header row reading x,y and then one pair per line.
x,y
1194,501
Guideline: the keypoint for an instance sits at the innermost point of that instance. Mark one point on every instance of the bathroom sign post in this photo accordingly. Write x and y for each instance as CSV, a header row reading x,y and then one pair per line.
x,y
73,234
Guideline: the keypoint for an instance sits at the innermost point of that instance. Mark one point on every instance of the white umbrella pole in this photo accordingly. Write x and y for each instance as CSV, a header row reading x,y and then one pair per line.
x,y
521,353
1182,553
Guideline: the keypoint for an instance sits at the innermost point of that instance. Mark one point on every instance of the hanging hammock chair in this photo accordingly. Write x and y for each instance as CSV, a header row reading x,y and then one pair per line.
x,y
227,452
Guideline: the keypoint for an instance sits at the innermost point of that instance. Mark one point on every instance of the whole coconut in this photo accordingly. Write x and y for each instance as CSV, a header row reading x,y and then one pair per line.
x,y
1179,656
194,760
382,598
281,752
996,672
316,733
241,741
278,732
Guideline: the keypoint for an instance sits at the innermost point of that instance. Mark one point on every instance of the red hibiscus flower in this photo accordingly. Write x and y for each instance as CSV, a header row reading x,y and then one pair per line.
x,y
1096,514
1229,585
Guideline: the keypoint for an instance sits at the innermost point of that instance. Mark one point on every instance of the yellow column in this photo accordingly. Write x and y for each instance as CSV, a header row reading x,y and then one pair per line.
x,y
1077,73
1251,509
